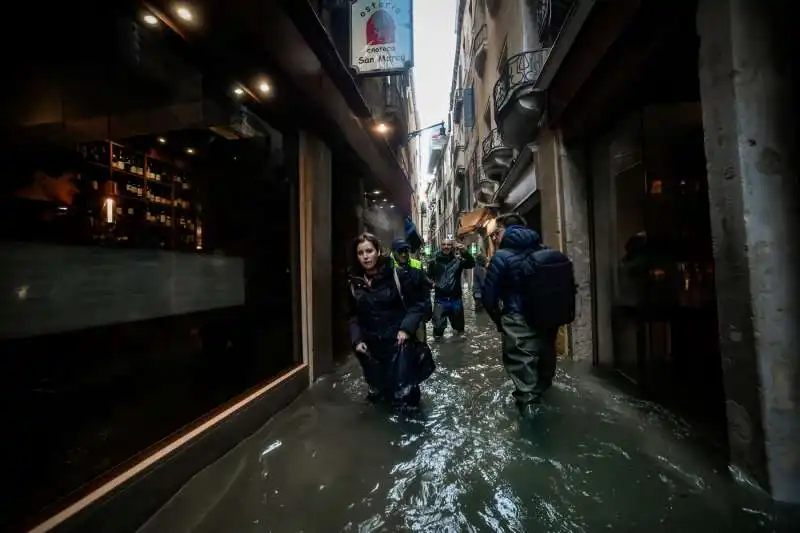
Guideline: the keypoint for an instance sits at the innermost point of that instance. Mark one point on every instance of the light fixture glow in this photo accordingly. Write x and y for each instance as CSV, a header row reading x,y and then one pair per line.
x,y
152,20
238,91
162,140
391,206
109,205
264,87
382,127
190,151
376,191
184,13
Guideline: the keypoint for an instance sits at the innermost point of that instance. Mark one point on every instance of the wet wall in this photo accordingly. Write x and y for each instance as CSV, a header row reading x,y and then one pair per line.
x,y
749,110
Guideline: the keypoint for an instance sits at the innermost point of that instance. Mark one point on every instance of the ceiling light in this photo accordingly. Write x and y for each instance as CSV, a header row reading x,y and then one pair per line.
x,y
238,91
376,191
190,151
152,20
391,206
264,87
162,140
382,127
184,13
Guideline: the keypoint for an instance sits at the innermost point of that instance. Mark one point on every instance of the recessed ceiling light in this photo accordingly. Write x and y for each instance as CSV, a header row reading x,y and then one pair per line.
x,y
264,87
162,140
391,206
150,19
190,151
238,91
184,13
382,127
376,191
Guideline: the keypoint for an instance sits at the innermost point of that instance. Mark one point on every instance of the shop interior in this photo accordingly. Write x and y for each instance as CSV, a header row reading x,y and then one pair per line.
x,y
174,242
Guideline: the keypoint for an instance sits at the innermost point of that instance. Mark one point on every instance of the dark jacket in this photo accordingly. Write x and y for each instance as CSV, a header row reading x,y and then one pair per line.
x,y
377,311
445,271
479,278
506,271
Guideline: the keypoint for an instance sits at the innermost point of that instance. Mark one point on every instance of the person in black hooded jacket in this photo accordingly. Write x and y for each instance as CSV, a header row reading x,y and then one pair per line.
x,y
387,305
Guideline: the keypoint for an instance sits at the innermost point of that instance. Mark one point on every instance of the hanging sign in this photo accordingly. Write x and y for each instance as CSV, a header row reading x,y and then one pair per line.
x,y
381,36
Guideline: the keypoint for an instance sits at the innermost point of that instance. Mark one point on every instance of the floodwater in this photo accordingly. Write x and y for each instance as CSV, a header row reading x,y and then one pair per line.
x,y
592,460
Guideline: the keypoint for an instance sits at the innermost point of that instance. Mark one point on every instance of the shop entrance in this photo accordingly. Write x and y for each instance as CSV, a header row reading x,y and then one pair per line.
x,y
657,316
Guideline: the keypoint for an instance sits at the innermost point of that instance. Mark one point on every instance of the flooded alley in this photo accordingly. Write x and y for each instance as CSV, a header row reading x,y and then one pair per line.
x,y
593,460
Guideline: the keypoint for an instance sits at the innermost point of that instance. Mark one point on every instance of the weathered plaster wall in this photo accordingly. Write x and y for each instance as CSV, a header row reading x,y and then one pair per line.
x,y
571,179
748,116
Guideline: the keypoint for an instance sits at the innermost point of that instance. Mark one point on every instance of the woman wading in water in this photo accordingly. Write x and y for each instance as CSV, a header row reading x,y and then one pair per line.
x,y
386,308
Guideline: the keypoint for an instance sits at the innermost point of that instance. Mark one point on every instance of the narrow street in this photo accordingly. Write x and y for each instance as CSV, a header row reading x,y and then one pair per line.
x,y
594,460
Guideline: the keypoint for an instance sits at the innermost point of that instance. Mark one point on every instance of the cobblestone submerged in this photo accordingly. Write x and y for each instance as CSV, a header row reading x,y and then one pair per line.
x,y
594,459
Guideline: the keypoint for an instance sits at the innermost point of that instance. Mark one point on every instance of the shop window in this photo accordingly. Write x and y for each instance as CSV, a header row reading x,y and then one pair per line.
x,y
146,249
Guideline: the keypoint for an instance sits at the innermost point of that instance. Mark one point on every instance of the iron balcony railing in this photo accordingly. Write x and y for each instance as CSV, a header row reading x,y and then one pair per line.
x,y
519,71
550,17
492,142
479,39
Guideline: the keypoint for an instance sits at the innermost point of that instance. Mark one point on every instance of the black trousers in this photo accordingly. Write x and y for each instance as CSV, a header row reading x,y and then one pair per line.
x,y
444,313
529,357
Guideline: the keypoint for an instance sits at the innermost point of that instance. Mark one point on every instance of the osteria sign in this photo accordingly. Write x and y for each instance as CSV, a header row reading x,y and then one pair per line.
x,y
381,36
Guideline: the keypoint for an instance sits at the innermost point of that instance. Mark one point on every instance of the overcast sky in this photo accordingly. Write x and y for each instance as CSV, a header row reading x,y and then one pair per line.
x,y
434,47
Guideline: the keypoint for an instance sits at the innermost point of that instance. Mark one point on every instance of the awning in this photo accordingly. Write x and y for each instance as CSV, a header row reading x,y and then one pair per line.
x,y
471,221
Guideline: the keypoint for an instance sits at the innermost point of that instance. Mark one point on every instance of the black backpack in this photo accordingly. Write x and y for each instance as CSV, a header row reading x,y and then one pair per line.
x,y
548,289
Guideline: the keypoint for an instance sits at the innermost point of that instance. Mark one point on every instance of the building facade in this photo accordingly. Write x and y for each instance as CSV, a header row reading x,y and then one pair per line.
x,y
183,189
648,141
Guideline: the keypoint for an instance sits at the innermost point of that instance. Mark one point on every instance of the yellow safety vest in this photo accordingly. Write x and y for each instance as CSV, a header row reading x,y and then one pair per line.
x,y
413,263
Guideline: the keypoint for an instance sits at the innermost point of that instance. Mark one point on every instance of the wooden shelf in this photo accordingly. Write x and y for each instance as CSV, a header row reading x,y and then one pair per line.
x,y
170,189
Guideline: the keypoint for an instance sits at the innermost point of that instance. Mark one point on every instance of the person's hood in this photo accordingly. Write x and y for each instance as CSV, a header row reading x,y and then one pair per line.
x,y
520,238
400,244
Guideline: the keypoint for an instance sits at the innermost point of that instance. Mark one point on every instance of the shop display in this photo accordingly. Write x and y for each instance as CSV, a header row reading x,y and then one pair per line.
x,y
138,200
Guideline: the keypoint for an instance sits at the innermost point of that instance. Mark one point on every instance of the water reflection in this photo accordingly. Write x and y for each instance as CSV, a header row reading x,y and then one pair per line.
x,y
592,460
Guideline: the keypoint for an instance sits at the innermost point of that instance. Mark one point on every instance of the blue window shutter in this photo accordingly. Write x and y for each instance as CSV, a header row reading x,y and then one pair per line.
x,y
469,107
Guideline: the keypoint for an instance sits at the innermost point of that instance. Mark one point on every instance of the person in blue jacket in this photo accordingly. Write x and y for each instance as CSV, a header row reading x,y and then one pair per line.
x,y
387,306
529,355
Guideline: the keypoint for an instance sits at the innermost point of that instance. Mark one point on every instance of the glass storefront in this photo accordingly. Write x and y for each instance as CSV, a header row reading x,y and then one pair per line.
x,y
653,247
147,249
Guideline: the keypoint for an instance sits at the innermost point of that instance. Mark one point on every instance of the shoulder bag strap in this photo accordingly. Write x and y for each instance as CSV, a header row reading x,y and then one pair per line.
x,y
397,284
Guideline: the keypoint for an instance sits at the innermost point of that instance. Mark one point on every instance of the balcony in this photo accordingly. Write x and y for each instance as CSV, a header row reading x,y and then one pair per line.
x,y
460,160
496,157
484,194
518,105
479,50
